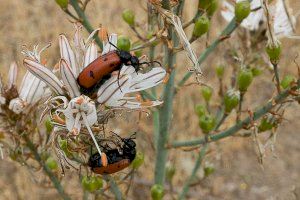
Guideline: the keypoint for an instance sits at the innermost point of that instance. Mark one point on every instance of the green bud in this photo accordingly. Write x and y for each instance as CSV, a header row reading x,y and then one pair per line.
x,y
242,10
274,51
138,53
204,4
208,170
220,71
200,110
206,93
128,16
212,7
255,71
92,183
48,125
62,3
286,81
63,144
157,192
201,26
244,79
138,160
170,172
123,43
231,100
207,123
267,123
51,163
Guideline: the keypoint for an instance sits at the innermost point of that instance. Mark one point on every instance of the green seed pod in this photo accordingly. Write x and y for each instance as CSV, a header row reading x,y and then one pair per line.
x,y
48,125
220,71
201,26
138,53
231,100
274,51
206,93
62,3
170,172
242,10
286,81
211,9
128,16
138,160
157,192
244,79
51,163
123,43
91,184
255,71
204,4
267,123
63,144
200,110
208,170
207,123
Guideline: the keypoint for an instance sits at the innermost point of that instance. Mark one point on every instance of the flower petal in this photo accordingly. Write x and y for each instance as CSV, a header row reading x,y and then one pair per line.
x,y
136,104
67,53
12,75
17,105
90,54
147,80
69,79
113,90
283,22
113,38
45,75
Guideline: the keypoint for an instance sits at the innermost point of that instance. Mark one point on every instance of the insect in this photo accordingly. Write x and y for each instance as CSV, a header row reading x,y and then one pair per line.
x,y
100,70
118,159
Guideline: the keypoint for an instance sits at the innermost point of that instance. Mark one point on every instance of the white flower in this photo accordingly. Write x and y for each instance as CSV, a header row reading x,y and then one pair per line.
x,y
81,109
283,21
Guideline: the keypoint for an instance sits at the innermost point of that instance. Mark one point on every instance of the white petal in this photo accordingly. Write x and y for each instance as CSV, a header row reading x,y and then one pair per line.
x,y
90,54
113,90
127,70
67,53
283,26
17,105
123,103
69,79
45,75
147,80
12,75
2,100
113,38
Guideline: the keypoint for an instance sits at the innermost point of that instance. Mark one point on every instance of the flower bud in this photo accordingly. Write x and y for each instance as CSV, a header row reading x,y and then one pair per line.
x,y
267,123
201,26
206,93
62,3
212,7
138,160
207,123
138,53
170,172
244,79
220,71
48,125
274,51
123,43
286,81
63,144
208,169
200,110
128,16
204,4
231,100
255,71
51,163
92,183
242,10
157,192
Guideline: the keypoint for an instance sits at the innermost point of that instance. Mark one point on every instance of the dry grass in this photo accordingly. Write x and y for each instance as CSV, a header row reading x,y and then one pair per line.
x,y
238,173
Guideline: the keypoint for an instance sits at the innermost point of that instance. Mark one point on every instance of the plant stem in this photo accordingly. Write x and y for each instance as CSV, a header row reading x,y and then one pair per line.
x,y
275,67
225,34
113,187
238,126
186,186
239,112
48,171
84,21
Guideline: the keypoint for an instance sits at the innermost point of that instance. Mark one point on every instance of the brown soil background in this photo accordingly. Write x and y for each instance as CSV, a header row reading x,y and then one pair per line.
x,y
238,174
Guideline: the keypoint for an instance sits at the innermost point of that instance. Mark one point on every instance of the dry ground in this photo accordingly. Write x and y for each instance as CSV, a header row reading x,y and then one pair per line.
x,y
238,174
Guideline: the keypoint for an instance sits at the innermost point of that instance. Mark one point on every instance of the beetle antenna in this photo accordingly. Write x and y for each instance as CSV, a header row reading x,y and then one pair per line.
x,y
111,42
119,80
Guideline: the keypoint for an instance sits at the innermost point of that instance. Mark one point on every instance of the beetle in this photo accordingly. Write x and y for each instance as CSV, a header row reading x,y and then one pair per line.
x,y
100,70
117,160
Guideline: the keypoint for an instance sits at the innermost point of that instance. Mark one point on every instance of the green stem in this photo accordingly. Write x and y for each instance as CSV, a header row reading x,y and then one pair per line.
x,y
113,187
225,34
48,171
84,21
275,67
238,126
186,186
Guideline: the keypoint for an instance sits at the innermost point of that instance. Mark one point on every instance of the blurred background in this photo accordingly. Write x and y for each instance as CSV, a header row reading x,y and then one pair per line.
x,y
237,175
